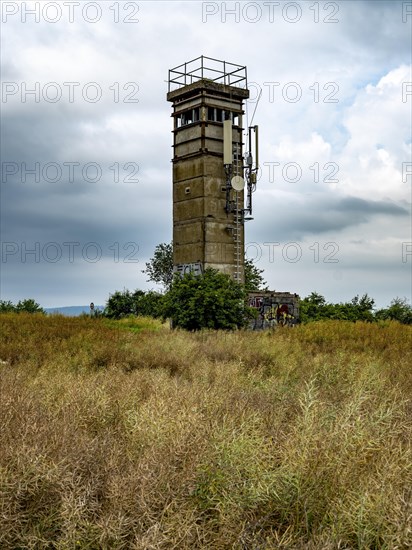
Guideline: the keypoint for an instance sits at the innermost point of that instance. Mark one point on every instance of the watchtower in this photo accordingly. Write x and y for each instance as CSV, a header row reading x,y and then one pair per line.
x,y
209,171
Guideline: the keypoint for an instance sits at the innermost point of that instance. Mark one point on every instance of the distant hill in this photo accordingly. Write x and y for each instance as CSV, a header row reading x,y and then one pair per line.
x,y
71,311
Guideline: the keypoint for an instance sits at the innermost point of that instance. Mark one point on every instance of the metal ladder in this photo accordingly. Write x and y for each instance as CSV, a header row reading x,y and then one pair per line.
x,y
237,214
237,238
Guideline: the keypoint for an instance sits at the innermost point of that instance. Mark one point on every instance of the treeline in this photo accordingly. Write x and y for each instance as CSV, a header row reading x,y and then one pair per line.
x,y
22,306
124,303
315,308
190,301
213,300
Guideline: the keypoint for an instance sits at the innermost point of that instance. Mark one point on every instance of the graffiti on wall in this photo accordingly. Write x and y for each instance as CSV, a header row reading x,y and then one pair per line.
x,y
274,309
196,268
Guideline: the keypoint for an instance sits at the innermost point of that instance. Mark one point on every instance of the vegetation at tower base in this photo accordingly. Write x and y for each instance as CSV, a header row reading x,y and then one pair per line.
x,y
159,269
122,304
254,280
211,300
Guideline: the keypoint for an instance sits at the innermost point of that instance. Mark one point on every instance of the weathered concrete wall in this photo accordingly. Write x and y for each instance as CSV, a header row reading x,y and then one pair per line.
x,y
202,229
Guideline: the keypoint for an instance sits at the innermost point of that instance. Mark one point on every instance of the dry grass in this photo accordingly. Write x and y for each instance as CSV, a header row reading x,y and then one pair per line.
x,y
153,439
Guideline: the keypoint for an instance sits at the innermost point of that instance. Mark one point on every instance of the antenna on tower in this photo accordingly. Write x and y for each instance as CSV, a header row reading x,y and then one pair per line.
x,y
227,142
252,166
256,106
253,114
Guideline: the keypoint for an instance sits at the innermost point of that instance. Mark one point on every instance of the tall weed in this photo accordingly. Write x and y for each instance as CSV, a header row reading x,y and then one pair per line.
x,y
118,436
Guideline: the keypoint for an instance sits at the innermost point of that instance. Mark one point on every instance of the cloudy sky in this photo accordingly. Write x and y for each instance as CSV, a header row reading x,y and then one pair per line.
x,y
86,142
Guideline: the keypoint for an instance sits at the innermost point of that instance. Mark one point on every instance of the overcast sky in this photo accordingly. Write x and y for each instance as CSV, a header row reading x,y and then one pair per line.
x,y
86,189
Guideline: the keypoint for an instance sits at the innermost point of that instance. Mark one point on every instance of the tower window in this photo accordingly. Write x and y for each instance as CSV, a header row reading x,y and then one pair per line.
x,y
215,115
211,113
188,117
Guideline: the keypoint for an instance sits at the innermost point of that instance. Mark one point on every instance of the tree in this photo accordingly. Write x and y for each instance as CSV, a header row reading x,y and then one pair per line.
x,y
312,307
7,307
363,308
23,306
150,304
160,268
29,306
399,310
120,304
124,303
211,300
253,277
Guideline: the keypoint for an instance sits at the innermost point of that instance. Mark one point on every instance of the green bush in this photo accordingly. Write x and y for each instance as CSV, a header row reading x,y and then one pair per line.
x,y
26,306
124,303
315,308
399,310
211,300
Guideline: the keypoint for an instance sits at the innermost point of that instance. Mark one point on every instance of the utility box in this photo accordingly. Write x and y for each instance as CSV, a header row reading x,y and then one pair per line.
x,y
207,97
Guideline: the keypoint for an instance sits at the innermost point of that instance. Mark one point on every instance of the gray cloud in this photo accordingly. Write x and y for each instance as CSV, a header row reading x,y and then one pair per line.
x,y
369,40
295,219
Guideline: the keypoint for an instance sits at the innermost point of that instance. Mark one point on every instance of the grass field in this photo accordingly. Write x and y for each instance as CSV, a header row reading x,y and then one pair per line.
x,y
129,435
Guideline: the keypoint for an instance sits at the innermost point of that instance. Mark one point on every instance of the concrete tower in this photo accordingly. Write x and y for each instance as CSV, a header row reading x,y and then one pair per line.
x,y
207,97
